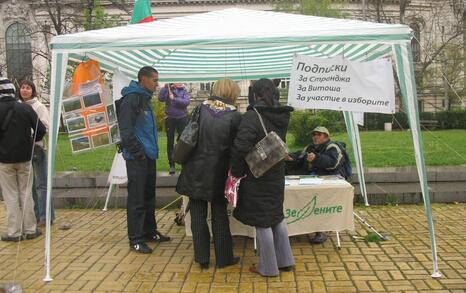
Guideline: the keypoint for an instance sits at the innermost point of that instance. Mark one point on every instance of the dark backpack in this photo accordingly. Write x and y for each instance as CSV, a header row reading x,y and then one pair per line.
x,y
346,168
120,100
118,110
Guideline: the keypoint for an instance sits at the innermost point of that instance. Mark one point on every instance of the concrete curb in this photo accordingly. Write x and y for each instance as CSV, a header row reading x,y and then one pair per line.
x,y
384,185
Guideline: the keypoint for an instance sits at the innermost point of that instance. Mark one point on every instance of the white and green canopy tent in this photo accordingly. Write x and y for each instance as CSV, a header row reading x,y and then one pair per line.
x,y
242,45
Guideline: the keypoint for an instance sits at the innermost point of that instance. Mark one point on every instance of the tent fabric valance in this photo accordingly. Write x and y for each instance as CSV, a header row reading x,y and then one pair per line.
x,y
208,64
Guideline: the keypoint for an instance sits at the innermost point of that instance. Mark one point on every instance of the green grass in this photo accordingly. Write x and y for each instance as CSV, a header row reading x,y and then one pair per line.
x,y
387,149
380,149
99,159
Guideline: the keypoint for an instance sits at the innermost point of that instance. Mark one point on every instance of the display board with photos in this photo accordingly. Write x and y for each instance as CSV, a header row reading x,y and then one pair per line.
x,y
90,118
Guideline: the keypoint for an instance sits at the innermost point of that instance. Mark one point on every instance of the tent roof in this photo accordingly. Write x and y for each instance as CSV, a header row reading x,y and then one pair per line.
x,y
238,43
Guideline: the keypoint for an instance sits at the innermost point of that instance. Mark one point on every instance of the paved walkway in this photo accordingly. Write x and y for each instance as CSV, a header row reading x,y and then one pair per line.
x,y
93,256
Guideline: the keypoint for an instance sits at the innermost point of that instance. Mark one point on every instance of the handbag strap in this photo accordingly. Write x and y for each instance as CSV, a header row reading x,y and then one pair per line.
x,y
196,113
261,121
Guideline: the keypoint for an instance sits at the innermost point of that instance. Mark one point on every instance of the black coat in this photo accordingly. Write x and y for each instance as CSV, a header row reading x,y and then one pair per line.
x,y
329,160
203,176
17,140
260,200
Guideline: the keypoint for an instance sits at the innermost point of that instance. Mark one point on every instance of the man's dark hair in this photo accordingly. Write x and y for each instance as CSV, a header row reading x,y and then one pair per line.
x,y
146,71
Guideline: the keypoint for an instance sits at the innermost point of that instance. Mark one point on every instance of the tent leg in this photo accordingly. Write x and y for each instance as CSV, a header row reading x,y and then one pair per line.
x,y
405,68
353,133
58,72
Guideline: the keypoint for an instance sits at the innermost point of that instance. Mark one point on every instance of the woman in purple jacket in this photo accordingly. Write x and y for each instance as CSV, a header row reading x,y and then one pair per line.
x,y
176,100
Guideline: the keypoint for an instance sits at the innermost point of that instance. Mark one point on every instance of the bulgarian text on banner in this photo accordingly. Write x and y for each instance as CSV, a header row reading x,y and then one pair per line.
x,y
339,84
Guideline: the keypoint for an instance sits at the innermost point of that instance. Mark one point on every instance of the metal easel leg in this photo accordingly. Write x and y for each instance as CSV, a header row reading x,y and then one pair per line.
x,y
338,240
382,237
111,188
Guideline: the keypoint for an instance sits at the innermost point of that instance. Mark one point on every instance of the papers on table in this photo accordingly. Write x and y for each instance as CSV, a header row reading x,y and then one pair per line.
x,y
310,181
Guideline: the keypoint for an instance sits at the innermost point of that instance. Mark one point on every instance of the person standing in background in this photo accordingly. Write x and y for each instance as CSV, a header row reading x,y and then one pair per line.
x,y
176,100
19,129
28,94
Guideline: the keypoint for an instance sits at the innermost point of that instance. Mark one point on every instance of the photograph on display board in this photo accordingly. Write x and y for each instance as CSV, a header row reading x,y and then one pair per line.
x,y
92,99
67,116
111,113
71,104
75,124
114,133
80,144
96,120
100,139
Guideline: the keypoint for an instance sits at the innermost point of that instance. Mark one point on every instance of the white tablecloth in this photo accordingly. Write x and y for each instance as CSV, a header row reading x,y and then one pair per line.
x,y
324,206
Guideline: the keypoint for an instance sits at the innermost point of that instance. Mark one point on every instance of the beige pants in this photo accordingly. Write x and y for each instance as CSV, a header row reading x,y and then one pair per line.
x,y
16,183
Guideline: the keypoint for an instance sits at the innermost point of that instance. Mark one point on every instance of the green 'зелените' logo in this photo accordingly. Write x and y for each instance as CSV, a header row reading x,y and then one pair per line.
x,y
294,215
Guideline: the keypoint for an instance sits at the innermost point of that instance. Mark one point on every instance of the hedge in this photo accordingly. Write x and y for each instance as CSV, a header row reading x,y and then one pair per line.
x,y
302,122
455,119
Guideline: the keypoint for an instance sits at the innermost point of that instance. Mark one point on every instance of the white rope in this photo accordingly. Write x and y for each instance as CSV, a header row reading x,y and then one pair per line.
x,y
29,192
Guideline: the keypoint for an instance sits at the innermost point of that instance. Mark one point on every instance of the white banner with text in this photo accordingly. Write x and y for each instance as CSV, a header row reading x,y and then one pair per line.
x,y
339,84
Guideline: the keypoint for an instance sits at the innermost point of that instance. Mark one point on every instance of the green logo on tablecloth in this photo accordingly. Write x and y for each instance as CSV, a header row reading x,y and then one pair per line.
x,y
309,209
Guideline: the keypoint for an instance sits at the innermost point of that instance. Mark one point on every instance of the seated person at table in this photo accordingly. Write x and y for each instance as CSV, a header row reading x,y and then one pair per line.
x,y
321,157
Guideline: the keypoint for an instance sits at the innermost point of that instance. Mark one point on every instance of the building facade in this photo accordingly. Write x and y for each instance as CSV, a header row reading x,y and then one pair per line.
x,y
26,27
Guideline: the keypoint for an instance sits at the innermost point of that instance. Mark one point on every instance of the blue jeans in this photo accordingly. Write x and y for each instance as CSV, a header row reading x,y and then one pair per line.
x,y
39,187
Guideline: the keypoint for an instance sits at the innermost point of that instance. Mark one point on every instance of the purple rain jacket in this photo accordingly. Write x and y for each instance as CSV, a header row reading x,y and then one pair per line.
x,y
176,108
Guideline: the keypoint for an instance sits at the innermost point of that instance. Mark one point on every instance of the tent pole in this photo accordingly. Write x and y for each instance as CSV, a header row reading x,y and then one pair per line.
x,y
58,71
353,133
404,63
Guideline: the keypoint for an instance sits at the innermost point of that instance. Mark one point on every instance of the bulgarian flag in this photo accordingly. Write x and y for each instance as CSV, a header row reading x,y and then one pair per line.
x,y
142,12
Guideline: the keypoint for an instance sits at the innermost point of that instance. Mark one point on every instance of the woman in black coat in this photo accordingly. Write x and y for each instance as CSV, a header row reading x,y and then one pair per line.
x,y
203,176
260,200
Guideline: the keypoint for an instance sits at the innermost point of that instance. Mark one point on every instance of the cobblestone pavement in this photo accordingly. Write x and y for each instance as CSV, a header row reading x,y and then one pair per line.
x,y
93,256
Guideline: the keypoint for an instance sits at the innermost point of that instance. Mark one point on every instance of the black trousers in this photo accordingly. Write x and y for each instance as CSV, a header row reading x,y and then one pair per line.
x,y
172,125
220,229
140,204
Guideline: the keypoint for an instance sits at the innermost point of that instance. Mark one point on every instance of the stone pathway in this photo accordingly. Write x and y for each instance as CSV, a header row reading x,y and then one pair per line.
x,y
93,256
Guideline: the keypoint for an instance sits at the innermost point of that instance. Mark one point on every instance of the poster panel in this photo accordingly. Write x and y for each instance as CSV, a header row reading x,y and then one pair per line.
x,y
339,84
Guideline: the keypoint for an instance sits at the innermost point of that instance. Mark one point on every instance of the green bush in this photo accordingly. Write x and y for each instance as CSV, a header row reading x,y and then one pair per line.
x,y
455,119
159,114
302,122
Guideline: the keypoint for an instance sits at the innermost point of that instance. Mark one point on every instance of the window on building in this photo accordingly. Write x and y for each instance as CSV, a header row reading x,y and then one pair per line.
x,y
415,42
285,83
206,86
420,105
18,52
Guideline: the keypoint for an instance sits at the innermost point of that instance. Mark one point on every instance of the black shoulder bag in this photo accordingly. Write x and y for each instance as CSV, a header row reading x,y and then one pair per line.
x,y
188,138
